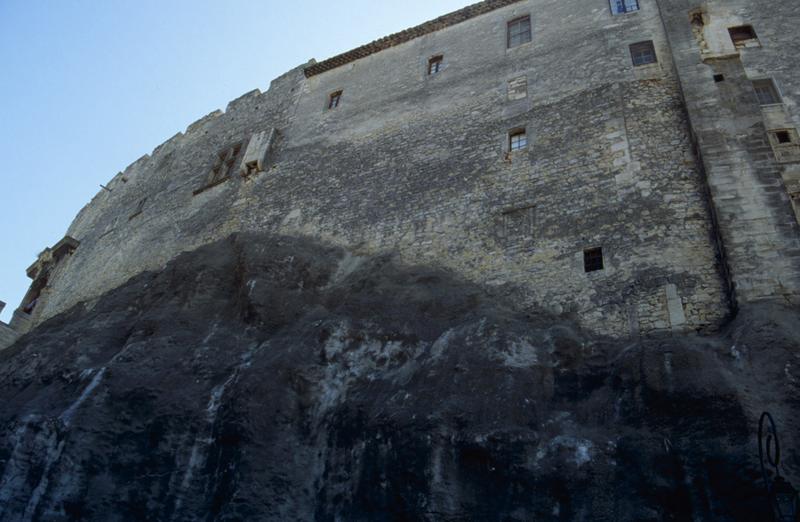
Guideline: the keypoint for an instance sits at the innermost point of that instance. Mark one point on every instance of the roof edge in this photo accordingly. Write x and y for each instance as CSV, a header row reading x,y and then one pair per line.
x,y
395,39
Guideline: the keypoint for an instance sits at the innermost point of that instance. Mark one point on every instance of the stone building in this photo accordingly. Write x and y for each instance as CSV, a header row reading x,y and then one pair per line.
x,y
634,164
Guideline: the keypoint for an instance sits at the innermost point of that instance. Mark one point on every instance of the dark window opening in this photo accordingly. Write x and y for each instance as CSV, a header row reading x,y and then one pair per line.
x,y
517,139
783,137
719,78
435,64
766,92
643,53
593,259
519,31
742,34
624,6
334,100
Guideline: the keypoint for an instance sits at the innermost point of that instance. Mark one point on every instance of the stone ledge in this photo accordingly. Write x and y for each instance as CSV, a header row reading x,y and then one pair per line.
x,y
211,185
8,336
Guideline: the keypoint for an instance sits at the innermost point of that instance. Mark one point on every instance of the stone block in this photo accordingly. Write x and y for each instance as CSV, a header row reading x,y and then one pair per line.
x,y
257,152
677,317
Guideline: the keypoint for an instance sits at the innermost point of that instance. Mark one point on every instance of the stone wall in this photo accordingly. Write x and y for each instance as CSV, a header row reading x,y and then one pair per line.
x,y
7,334
750,189
419,165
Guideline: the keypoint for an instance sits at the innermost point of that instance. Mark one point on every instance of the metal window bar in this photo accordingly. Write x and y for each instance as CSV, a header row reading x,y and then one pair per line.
x,y
519,31
766,92
435,65
518,140
643,53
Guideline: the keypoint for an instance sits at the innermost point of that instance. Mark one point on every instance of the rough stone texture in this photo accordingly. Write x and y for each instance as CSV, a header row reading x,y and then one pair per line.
x,y
409,34
418,165
7,335
264,378
748,187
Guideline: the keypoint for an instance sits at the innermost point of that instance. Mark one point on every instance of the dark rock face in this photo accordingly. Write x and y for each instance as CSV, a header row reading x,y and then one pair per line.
x,y
265,378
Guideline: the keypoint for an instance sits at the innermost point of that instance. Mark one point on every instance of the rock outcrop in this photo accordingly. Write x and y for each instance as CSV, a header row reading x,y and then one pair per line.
x,y
263,378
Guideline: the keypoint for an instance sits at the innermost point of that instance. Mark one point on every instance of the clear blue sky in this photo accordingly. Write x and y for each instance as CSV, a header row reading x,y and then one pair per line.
x,y
87,87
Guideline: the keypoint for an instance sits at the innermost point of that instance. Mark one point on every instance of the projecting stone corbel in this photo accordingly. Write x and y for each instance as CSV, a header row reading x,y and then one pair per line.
x,y
257,153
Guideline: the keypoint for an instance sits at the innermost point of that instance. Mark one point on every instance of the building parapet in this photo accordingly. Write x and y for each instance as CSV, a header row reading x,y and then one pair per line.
x,y
395,39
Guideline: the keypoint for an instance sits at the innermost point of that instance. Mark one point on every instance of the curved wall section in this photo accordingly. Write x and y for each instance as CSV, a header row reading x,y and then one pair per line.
x,y
419,164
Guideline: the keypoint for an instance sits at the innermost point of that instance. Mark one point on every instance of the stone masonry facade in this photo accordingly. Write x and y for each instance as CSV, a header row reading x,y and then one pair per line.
x,y
509,162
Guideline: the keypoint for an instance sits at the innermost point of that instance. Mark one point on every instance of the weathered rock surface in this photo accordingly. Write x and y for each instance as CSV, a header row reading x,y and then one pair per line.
x,y
265,378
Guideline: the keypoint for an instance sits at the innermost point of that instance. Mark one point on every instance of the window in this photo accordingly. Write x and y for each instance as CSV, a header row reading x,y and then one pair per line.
x,y
335,99
719,78
785,144
517,139
593,259
224,163
782,137
766,92
435,64
221,170
624,6
643,53
519,31
743,35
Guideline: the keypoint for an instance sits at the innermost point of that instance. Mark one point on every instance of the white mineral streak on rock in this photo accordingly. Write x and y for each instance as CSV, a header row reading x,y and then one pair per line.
x,y
16,467
440,344
444,493
198,455
53,448
211,333
66,416
581,448
14,482
47,443
519,354
347,265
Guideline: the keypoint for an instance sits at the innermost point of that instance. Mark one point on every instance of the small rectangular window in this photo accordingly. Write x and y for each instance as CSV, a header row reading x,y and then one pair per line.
x,y
785,144
643,53
783,137
624,6
435,64
334,99
519,31
743,35
593,259
766,92
517,139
